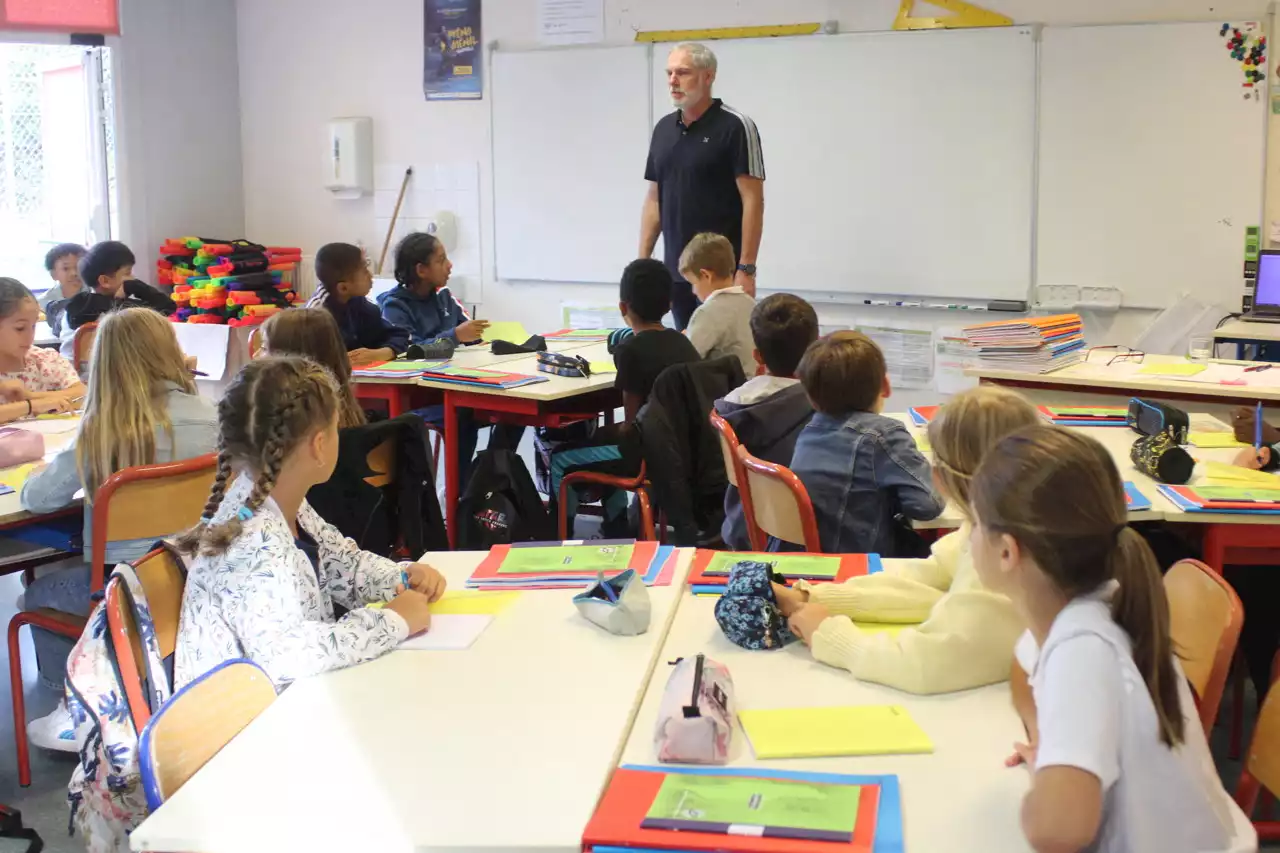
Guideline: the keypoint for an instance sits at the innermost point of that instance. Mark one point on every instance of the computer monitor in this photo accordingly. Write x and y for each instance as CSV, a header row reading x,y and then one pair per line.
x,y
1267,293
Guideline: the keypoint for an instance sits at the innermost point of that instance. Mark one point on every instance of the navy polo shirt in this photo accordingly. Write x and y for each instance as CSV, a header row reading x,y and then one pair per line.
x,y
696,168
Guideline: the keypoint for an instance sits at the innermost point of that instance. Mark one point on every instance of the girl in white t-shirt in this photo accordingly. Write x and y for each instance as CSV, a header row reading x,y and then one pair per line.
x,y
1120,761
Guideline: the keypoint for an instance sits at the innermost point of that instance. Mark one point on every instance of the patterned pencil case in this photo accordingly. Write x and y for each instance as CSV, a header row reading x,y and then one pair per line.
x,y
573,366
695,720
620,604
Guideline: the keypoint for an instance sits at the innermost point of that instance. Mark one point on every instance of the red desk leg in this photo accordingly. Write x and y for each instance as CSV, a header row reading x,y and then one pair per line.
x,y
451,471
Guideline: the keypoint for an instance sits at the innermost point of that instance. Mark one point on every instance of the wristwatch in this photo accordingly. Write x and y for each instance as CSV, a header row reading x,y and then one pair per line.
x,y
749,269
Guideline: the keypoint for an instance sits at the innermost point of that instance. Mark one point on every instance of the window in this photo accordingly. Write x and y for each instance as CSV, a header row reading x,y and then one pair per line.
x,y
56,154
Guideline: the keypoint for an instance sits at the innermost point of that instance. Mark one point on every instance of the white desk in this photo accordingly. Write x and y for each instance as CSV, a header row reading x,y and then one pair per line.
x,y
555,388
1241,332
11,511
960,798
503,747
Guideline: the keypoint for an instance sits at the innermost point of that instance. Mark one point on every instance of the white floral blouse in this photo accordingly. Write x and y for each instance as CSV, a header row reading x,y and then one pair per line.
x,y
261,599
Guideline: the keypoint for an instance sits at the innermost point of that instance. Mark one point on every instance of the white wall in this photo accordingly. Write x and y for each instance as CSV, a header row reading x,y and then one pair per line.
x,y
177,123
304,61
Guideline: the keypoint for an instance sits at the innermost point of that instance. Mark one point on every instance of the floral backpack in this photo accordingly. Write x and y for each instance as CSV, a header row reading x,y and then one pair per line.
x,y
106,794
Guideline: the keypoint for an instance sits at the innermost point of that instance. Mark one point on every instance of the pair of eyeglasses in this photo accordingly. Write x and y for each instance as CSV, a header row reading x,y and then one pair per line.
x,y
1114,353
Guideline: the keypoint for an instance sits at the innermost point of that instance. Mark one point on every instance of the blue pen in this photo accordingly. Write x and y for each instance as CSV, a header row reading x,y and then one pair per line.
x,y
404,578
1257,431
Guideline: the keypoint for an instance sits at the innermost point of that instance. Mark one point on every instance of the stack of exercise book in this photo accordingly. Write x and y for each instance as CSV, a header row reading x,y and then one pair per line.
x,y
395,369
710,572
1104,416
583,335
1134,500
480,378
1233,500
1032,344
572,565
745,810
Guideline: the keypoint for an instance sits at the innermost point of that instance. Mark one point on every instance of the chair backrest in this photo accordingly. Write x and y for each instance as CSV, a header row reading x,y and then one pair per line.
x,y
780,503
149,502
255,341
1262,762
82,347
733,469
126,642
198,722
1205,616
163,581
382,461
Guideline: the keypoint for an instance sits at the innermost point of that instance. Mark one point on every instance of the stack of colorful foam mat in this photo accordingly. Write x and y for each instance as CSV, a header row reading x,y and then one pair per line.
x,y
572,565
745,810
227,282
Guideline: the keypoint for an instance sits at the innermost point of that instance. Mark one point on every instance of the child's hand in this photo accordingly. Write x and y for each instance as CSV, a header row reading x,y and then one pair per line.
x,y
789,600
13,391
361,356
1250,458
189,361
1023,753
1242,424
52,406
473,330
805,622
414,608
426,580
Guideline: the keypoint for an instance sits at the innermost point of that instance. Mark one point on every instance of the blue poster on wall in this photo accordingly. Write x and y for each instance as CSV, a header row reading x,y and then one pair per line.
x,y
454,60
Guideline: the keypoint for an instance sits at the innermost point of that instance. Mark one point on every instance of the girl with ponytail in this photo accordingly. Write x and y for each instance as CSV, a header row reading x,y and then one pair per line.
x,y
267,570
1120,761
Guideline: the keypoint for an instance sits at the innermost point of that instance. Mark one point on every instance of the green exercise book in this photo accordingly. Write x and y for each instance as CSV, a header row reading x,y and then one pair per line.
x,y
566,558
807,566
1241,495
765,807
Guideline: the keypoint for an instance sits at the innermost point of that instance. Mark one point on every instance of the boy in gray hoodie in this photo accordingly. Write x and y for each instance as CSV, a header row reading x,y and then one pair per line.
x,y
770,410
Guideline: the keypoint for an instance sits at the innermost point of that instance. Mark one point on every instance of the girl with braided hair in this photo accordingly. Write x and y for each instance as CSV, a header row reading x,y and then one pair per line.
x,y
267,570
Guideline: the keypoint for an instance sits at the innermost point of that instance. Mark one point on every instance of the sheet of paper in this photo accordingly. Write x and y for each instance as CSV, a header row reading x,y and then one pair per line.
x,y
1204,422
719,803
1172,369
16,476
570,21
908,352
462,602
848,730
1213,439
951,359
449,633
50,426
208,343
603,367
513,333
1230,475
584,315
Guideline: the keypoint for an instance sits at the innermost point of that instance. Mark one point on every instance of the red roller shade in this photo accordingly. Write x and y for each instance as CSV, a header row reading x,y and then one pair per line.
x,y
61,16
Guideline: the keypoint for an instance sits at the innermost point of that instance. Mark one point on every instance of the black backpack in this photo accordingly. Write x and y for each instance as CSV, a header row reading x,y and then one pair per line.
x,y
500,505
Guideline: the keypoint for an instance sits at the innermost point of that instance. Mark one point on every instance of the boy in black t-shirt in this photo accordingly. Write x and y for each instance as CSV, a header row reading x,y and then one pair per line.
x,y
644,299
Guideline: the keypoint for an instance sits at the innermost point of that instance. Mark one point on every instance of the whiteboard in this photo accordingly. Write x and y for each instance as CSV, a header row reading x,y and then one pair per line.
x,y
1151,161
570,137
897,163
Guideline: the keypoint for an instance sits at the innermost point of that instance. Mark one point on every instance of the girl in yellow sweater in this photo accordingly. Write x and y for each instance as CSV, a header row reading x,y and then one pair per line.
x,y
966,632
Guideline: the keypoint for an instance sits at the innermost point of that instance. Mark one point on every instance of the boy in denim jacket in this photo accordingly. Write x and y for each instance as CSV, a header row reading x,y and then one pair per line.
x,y
860,468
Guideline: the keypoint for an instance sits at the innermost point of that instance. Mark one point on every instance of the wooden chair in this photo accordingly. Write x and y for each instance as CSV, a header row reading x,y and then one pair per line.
x,y
1261,773
197,723
780,504
1205,616
142,502
82,347
255,341
737,475
382,461
635,485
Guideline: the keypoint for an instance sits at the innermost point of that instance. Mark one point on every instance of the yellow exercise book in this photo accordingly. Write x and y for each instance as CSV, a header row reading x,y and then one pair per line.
x,y
842,730
15,477
1176,369
465,602
513,333
1221,473
598,367
1213,440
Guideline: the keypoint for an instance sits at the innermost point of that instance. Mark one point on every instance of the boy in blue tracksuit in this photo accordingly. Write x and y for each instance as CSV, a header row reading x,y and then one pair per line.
x,y
421,301
344,283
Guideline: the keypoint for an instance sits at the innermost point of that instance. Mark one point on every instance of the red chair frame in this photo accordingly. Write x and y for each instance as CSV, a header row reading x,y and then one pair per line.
x,y
69,625
635,485
78,356
808,521
756,536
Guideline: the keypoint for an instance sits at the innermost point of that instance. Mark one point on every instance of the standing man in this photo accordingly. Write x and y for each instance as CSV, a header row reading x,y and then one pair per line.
x,y
705,173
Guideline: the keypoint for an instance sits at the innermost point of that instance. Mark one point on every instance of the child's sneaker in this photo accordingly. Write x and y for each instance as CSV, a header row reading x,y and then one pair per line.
x,y
55,731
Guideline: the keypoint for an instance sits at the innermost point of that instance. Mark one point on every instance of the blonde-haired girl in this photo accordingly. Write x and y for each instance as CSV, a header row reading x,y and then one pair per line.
x,y
1119,758
141,409
267,569
967,632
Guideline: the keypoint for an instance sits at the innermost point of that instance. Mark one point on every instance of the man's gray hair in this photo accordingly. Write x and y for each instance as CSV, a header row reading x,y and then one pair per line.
x,y
699,54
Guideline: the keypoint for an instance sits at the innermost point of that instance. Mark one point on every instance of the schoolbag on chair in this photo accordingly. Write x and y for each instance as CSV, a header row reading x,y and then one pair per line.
x,y
500,504
105,794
